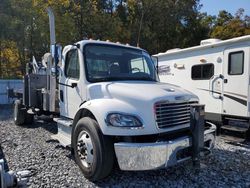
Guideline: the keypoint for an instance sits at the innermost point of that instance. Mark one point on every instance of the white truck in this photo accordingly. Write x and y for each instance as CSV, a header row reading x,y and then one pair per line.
x,y
109,105
218,73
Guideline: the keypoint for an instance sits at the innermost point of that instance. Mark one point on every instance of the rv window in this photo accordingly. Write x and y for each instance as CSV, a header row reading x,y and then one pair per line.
x,y
202,72
236,63
72,65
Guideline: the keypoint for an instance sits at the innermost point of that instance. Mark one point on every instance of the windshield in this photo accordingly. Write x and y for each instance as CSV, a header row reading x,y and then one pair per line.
x,y
111,63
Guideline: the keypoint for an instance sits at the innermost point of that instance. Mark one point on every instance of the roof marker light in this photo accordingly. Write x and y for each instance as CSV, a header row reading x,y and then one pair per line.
x,y
203,60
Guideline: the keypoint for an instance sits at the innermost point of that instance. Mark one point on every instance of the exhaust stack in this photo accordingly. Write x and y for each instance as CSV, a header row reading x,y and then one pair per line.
x,y
51,26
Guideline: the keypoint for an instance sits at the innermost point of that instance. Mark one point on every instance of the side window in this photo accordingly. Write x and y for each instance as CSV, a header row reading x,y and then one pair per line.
x,y
72,69
202,72
139,64
236,63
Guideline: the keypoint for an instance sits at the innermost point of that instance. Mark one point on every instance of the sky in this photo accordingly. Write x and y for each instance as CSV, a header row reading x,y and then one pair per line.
x,y
212,7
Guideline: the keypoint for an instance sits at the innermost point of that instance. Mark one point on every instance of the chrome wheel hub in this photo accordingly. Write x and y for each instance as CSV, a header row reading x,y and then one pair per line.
x,y
85,149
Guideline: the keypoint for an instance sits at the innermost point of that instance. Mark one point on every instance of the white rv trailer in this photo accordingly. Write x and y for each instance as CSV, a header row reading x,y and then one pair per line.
x,y
217,71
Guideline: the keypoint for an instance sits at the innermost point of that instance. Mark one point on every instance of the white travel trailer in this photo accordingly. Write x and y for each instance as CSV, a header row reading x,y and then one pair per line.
x,y
217,71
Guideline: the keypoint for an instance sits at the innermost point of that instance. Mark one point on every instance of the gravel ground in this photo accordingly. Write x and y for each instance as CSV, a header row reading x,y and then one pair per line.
x,y
31,147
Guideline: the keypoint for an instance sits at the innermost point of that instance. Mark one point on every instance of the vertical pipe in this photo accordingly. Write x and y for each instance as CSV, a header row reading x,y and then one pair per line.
x,y
53,48
53,62
51,26
197,131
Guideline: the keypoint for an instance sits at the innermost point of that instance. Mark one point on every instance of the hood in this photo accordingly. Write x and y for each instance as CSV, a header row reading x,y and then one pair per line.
x,y
144,91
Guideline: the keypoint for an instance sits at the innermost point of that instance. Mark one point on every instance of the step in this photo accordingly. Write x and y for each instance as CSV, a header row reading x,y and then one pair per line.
x,y
63,139
64,121
64,131
231,138
235,128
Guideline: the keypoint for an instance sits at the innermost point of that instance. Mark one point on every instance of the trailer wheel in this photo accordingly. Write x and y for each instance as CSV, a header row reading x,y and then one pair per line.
x,y
19,113
94,152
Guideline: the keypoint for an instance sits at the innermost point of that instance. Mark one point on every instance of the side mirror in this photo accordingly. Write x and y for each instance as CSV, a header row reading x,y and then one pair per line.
x,y
59,51
56,51
73,85
155,60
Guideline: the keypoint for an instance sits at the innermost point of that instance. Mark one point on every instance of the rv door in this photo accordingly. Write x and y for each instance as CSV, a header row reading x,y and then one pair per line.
x,y
236,80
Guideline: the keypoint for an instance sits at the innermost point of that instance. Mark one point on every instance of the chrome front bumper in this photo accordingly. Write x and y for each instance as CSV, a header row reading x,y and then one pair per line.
x,y
149,156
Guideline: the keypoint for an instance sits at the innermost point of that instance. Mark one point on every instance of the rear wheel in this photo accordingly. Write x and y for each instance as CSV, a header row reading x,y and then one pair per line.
x,y
21,116
248,134
29,118
19,113
94,152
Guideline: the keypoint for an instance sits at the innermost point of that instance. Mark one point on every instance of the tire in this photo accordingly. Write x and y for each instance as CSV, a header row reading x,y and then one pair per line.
x,y
19,113
248,135
29,118
94,152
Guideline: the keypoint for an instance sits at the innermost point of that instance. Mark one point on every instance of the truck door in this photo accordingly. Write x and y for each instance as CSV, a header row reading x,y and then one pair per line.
x,y
71,90
236,81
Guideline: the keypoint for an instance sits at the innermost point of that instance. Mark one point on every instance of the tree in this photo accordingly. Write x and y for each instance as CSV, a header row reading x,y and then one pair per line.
x,y
10,60
228,26
156,25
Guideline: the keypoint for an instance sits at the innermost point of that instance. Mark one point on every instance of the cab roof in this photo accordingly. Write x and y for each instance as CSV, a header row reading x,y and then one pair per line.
x,y
91,41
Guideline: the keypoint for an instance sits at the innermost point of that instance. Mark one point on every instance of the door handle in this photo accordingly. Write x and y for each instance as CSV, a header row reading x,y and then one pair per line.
x,y
61,95
225,81
211,85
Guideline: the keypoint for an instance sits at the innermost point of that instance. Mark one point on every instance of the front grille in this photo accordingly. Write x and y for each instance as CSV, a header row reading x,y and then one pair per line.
x,y
172,114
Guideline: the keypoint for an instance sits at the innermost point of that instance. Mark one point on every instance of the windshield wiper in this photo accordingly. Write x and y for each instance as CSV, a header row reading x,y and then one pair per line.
x,y
108,79
121,78
144,78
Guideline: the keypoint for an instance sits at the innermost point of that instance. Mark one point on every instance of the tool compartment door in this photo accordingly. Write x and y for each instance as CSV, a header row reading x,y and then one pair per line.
x,y
236,81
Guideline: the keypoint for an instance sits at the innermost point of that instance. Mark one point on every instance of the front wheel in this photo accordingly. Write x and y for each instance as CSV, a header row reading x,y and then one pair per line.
x,y
94,152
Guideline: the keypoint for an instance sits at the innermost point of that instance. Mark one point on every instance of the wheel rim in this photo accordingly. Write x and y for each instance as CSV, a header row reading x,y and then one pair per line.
x,y
85,149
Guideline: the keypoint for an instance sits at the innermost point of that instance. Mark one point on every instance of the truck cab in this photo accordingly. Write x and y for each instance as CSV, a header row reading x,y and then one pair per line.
x,y
116,75
110,106
113,107
94,67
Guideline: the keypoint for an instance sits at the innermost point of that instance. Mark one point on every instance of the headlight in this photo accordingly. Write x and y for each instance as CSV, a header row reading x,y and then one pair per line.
x,y
123,120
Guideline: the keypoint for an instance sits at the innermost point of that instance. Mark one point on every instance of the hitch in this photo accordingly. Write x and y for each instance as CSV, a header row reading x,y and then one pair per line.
x,y
197,127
